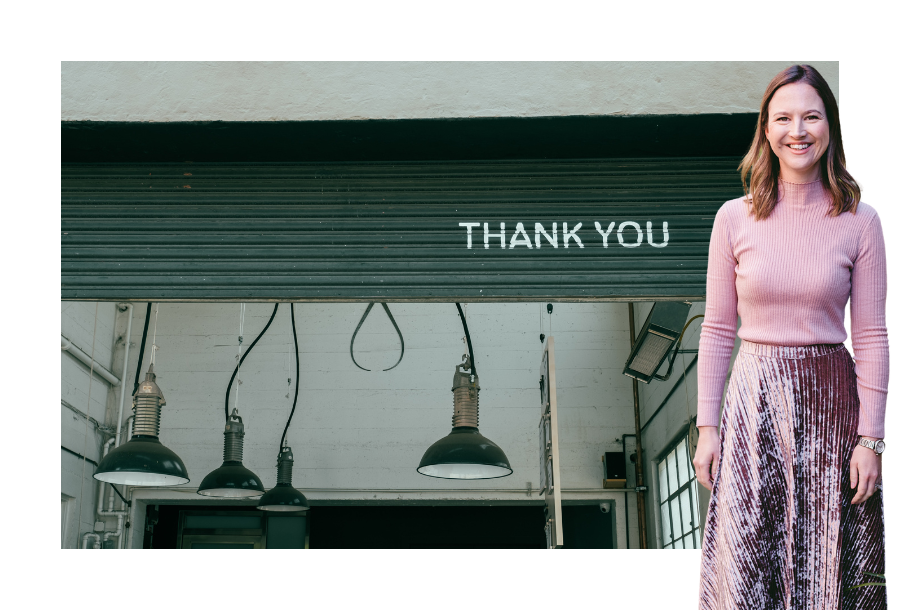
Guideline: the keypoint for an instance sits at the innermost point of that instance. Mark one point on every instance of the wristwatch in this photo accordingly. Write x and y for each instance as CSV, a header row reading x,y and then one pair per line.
x,y
876,446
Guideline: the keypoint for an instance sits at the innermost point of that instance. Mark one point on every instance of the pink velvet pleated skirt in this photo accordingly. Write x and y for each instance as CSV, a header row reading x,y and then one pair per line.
x,y
781,532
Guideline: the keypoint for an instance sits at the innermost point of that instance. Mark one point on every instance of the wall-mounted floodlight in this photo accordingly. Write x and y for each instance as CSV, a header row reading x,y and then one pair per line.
x,y
658,340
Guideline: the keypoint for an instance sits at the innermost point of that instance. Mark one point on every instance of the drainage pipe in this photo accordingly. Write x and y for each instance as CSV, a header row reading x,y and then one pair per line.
x,y
130,309
639,486
101,370
110,512
120,519
95,536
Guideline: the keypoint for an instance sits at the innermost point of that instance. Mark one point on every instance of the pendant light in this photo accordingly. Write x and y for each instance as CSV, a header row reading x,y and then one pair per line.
x,y
465,453
232,479
143,460
284,497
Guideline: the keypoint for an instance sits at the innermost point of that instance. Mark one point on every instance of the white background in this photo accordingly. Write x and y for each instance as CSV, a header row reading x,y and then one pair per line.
x,y
39,35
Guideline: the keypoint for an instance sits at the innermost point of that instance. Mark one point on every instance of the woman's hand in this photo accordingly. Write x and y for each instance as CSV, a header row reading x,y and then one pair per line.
x,y
706,458
865,470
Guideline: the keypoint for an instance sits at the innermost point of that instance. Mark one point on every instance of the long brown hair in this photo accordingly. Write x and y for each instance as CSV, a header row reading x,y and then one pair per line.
x,y
762,164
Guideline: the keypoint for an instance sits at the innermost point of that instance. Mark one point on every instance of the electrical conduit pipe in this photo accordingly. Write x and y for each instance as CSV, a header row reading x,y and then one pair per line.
x,y
113,381
110,510
130,309
102,371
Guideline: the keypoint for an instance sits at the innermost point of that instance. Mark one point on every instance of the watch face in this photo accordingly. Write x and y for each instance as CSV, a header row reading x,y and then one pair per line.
x,y
879,446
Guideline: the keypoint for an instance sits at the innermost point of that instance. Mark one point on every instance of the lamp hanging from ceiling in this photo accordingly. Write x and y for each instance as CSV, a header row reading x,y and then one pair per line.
x,y
465,453
232,479
284,497
143,460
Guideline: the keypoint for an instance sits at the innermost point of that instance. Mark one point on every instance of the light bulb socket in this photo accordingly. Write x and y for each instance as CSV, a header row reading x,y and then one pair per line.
x,y
234,438
147,405
285,467
465,396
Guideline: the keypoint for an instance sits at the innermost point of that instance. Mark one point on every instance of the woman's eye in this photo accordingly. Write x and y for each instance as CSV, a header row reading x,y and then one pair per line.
x,y
781,118
813,117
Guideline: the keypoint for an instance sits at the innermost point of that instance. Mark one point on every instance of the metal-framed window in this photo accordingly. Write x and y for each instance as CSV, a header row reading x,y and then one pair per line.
x,y
679,514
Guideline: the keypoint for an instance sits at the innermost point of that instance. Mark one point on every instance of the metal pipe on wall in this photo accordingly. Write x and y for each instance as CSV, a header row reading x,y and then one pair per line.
x,y
130,309
639,486
102,371
95,536
110,510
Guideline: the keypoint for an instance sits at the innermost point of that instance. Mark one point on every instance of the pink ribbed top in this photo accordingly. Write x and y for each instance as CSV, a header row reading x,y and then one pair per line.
x,y
788,277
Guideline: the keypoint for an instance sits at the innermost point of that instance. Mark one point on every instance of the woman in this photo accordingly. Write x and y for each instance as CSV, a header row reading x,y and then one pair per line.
x,y
795,517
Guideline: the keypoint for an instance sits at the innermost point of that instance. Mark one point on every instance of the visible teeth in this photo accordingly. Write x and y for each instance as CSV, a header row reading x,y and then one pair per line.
x,y
798,146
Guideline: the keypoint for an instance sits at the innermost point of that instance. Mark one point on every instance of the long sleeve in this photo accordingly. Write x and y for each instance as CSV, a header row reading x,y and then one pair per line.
x,y
719,324
868,292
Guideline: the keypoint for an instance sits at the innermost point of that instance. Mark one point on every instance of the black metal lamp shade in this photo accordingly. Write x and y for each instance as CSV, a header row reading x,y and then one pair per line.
x,y
142,461
232,479
657,338
284,497
465,454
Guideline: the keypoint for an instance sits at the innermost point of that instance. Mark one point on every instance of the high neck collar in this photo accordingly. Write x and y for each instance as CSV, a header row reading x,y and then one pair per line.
x,y
803,194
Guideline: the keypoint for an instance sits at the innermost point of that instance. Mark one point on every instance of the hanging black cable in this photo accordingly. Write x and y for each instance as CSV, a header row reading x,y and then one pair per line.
x,y
284,496
119,493
468,340
297,380
137,372
247,353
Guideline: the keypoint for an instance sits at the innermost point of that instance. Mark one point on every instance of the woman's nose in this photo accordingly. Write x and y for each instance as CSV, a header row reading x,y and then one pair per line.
x,y
798,128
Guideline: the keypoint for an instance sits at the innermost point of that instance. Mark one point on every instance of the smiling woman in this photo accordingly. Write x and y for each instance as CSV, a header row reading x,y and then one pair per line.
x,y
797,131
796,516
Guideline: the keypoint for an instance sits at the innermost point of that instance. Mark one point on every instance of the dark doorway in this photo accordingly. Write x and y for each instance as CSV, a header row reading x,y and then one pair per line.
x,y
585,526
426,527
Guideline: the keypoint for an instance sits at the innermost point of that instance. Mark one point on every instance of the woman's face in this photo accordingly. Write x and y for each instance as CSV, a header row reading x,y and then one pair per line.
x,y
797,131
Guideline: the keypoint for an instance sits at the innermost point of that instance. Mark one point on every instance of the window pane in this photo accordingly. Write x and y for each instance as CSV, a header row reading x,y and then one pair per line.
x,y
689,541
666,525
678,545
684,474
673,473
663,482
668,546
685,501
676,519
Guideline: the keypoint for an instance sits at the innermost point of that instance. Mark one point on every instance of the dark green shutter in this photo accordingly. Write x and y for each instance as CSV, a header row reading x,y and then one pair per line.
x,y
387,231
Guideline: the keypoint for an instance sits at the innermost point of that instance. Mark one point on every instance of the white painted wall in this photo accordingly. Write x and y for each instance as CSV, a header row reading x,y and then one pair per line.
x,y
315,91
83,399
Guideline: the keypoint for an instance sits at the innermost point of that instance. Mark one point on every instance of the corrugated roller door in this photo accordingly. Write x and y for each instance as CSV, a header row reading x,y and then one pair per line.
x,y
561,230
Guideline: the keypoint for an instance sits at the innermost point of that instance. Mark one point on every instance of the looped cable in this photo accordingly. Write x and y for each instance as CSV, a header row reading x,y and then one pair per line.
x,y
358,326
